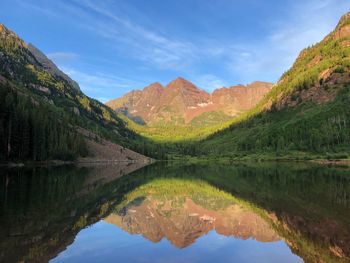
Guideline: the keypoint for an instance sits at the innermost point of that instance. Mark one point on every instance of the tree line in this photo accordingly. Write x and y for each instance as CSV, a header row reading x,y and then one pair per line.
x,y
31,130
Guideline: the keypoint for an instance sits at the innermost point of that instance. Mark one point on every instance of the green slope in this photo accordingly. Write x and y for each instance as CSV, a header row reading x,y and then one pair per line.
x,y
307,111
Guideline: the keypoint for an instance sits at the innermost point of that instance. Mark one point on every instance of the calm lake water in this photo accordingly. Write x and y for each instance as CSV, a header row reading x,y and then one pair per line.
x,y
169,212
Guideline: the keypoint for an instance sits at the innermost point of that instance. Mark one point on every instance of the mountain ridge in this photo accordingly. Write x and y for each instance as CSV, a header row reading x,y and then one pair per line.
x,y
50,66
180,101
44,115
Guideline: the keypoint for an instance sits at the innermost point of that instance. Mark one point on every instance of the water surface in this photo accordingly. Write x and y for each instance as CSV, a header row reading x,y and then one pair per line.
x,y
268,212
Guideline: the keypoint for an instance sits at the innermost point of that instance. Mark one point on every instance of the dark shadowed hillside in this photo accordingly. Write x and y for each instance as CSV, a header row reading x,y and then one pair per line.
x,y
41,109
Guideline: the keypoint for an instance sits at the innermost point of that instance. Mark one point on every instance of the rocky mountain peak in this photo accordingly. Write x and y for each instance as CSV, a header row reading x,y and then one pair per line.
x,y
343,28
4,29
154,87
181,102
344,20
6,33
181,83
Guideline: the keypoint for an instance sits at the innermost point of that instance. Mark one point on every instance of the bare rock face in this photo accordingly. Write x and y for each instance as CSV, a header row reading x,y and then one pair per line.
x,y
343,28
241,97
181,101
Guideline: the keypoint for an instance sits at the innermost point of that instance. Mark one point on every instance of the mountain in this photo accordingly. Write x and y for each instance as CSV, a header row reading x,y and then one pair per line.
x,y
306,111
50,67
298,203
186,221
44,115
181,102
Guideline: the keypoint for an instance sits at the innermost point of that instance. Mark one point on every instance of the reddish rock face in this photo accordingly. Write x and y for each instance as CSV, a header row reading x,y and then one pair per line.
x,y
241,97
343,28
181,101
183,223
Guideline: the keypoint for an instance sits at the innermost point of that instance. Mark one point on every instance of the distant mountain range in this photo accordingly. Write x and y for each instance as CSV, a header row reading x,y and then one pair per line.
x,y
181,102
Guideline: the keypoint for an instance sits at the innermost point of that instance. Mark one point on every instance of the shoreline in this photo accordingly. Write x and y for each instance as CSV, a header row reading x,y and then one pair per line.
x,y
82,162
73,163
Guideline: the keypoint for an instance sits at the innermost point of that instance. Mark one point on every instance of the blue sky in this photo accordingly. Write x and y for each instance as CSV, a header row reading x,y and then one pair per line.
x,y
111,47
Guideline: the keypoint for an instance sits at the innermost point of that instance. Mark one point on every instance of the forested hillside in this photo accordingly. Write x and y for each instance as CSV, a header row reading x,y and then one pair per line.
x,y
32,132
41,109
307,111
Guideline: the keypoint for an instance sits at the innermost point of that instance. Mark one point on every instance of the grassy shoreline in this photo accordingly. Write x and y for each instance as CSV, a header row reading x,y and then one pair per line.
x,y
19,164
325,159
336,159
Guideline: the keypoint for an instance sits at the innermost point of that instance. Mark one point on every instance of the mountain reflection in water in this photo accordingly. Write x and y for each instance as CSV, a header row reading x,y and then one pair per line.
x,y
269,212
182,219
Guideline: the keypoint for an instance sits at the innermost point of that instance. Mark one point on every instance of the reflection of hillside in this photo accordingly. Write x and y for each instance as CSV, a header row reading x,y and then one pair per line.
x,y
308,205
42,210
182,221
314,239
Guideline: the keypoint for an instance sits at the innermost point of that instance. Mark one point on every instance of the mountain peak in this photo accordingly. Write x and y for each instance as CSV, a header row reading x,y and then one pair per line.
x,y
156,84
343,28
154,87
181,79
181,83
3,28
181,101
344,20
6,33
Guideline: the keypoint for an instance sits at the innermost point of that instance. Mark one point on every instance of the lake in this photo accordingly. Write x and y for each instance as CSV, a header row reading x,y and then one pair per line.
x,y
173,212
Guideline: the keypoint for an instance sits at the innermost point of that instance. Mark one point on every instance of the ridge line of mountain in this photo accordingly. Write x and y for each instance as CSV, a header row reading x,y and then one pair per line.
x,y
157,83
181,102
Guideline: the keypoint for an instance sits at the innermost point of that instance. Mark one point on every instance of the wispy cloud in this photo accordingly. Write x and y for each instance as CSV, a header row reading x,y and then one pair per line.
x,y
141,43
62,56
103,99
209,63
100,84
209,82
308,23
